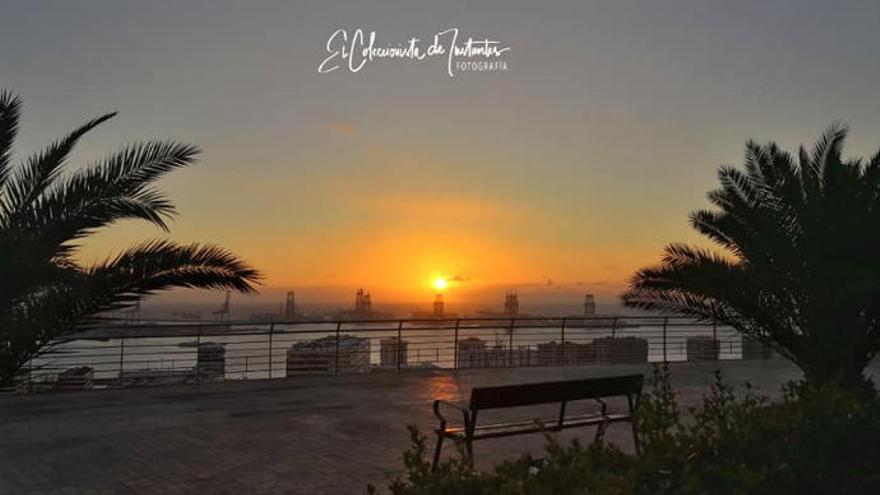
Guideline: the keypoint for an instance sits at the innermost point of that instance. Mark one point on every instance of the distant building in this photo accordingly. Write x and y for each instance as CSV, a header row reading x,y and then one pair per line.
x,y
702,348
222,314
591,319
589,305
393,350
324,356
500,356
511,304
471,353
567,353
438,306
437,312
605,350
290,311
620,350
211,361
363,303
523,356
80,378
511,309
363,308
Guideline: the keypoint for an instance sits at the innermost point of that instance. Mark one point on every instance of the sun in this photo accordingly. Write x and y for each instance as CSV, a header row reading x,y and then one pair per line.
x,y
441,283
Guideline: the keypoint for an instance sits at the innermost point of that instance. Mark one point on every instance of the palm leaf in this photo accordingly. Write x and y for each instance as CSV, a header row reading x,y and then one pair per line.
x,y
159,265
10,106
39,170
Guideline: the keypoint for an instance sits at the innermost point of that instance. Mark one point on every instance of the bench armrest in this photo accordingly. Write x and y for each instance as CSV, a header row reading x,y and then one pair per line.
x,y
464,412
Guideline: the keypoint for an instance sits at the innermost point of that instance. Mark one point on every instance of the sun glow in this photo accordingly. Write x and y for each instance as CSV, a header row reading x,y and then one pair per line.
x,y
441,283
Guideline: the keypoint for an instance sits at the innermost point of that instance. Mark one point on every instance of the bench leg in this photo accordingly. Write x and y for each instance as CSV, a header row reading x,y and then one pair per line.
x,y
469,448
600,431
437,450
636,439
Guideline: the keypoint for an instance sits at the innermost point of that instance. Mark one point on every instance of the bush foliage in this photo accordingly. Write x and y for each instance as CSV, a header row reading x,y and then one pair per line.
x,y
817,439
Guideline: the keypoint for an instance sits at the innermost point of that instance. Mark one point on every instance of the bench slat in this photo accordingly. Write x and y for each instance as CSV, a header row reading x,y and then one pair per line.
x,y
548,392
548,424
521,428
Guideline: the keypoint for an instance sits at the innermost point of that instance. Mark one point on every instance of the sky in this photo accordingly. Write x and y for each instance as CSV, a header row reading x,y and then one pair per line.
x,y
560,176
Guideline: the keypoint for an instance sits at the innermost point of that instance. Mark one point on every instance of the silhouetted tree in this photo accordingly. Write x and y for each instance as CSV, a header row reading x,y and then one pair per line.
x,y
801,267
44,293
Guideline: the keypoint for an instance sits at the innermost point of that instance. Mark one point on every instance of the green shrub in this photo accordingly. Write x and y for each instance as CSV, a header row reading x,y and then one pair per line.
x,y
817,439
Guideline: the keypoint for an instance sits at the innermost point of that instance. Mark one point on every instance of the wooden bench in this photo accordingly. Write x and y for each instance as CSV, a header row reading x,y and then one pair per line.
x,y
529,394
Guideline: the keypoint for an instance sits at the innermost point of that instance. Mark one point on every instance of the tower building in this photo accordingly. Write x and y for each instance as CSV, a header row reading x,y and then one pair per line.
x,y
290,311
222,314
589,305
438,305
363,304
511,304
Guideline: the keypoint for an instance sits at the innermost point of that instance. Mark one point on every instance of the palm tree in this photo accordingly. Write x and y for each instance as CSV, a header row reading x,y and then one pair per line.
x,y
44,214
800,266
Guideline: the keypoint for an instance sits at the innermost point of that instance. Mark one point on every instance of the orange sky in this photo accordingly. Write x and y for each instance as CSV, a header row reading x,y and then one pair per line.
x,y
576,165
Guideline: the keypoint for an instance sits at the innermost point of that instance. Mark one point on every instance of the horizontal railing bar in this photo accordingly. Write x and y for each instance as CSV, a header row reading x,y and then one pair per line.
x,y
570,320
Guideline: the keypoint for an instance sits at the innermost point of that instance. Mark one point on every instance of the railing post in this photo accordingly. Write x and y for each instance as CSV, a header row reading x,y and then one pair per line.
x,y
455,346
665,321
198,348
715,343
399,343
30,385
271,334
562,343
510,342
121,357
614,345
336,359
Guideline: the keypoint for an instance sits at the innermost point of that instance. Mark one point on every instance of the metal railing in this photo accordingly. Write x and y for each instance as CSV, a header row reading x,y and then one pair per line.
x,y
164,352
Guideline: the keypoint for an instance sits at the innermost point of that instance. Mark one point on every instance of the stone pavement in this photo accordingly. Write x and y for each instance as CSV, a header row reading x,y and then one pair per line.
x,y
302,435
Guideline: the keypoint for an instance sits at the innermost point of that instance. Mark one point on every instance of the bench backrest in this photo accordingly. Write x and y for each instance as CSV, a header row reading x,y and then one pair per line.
x,y
543,393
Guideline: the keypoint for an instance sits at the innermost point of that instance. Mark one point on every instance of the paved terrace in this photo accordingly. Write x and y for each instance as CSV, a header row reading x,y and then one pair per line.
x,y
312,435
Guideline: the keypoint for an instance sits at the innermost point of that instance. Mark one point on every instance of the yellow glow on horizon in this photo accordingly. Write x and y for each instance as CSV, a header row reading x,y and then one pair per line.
x,y
441,283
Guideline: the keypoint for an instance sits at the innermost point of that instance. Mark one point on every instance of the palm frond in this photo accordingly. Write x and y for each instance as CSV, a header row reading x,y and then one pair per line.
x,y
40,170
697,283
140,163
116,189
10,106
827,148
124,175
159,265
